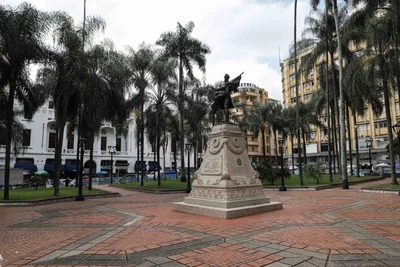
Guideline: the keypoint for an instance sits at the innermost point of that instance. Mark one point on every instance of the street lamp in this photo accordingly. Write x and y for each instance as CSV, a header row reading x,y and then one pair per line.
x,y
396,129
80,196
282,187
188,147
112,152
369,142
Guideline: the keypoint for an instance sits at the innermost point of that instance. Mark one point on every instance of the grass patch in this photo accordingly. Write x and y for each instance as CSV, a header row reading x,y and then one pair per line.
x,y
295,180
385,186
46,193
174,184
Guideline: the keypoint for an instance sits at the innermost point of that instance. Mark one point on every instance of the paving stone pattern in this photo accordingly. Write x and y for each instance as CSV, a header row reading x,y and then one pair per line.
x,y
332,227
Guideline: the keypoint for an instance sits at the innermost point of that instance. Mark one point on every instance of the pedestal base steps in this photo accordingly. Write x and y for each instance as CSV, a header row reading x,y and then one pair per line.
x,y
226,186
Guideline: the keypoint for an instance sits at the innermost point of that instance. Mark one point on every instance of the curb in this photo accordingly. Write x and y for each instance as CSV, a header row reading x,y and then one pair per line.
x,y
380,191
323,187
54,200
151,191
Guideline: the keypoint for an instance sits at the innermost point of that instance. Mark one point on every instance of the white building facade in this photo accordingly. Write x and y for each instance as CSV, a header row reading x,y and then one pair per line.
x,y
39,147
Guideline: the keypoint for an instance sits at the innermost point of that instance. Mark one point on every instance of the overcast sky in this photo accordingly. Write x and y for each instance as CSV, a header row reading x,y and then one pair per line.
x,y
244,35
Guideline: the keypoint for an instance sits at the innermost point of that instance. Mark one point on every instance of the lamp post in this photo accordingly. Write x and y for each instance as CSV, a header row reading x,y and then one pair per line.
x,y
112,152
282,187
80,196
188,147
369,142
396,129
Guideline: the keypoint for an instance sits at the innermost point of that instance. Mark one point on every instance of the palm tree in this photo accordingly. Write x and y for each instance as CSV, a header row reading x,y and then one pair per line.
x,y
140,63
187,50
255,120
163,77
289,119
297,93
380,68
107,80
22,32
64,76
343,161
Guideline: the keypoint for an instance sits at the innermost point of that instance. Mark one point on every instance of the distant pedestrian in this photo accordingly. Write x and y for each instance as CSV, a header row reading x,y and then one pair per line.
x,y
67,182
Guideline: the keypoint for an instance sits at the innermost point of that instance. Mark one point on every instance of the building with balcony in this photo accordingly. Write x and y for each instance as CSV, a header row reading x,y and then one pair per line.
x,y
247,95
371,131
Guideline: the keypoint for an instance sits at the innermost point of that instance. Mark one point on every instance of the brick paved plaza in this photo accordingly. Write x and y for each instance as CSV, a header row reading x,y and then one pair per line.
x,y
315,228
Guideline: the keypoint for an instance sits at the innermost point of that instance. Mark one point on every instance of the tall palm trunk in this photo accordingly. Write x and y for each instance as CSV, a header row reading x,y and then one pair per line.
x,y
350,140
276,145
297,95
292,139
304,147
342,123
91,169
356,138
181,114
10,120
327,91
335,113
57,154
388,116
142,138
263,146
158,152
138,164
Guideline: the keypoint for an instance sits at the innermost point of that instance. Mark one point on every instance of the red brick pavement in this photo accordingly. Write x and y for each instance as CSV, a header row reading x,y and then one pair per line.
x,y
225,255
303,223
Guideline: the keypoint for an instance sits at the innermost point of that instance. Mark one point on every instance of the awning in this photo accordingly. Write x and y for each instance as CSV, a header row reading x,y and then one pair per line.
x,y
26,167
153,166
121,163
139,165
50,168
69,167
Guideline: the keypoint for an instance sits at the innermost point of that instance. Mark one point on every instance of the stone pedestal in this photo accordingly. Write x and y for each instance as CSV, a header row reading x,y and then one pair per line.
x,y
226,185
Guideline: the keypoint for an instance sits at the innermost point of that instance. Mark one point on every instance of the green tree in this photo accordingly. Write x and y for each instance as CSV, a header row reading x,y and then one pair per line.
x,y
187,50
22,32
140,63
378,62
255,120
64,76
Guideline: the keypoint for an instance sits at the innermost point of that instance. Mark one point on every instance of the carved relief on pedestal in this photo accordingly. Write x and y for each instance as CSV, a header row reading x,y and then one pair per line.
x,y
197,178
227,194
212,165
215,145
255,178
236,144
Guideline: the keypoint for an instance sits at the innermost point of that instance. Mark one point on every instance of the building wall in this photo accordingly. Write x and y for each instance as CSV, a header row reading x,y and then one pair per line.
x,y
368,126
39,149
247,94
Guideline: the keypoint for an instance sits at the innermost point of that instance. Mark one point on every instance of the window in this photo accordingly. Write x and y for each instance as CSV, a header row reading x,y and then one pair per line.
x,y
103,143
118,144
52,140
70,142
51,104
71,161
25,161
307,97
28,114
381,124
26,138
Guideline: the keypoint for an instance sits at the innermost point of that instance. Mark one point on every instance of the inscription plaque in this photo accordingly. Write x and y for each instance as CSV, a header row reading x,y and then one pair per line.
x,y
212,165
